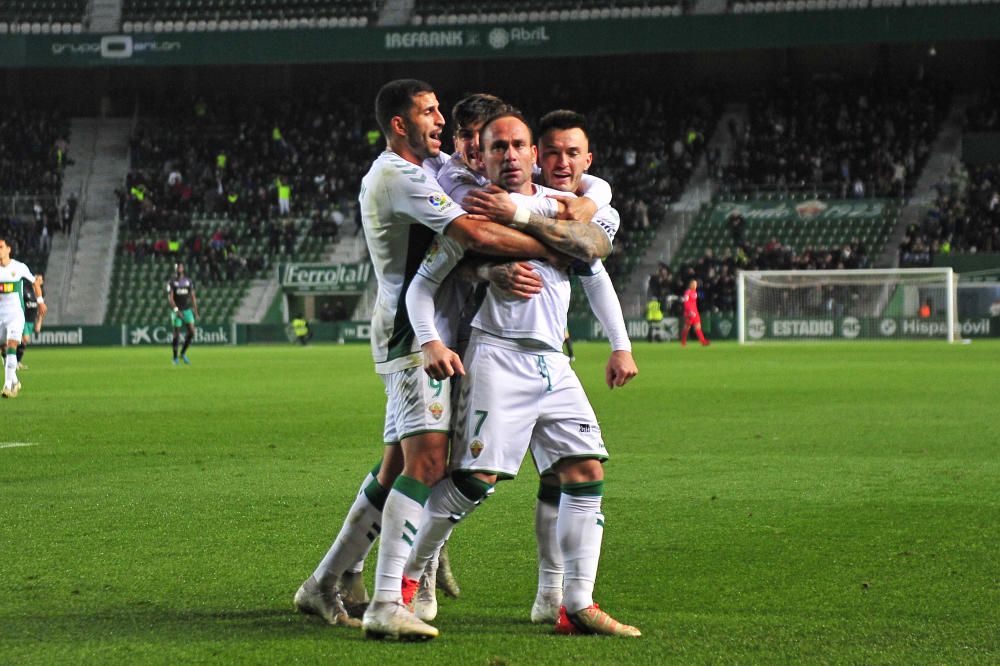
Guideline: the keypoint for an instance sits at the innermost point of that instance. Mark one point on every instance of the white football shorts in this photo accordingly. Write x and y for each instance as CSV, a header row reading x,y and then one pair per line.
x,y
512,400
416,404
12,325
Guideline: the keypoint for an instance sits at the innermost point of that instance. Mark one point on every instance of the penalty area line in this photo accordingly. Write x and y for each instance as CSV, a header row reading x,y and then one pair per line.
x,y
15,445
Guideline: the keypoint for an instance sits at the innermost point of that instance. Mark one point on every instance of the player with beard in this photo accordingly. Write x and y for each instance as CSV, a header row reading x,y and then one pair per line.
x,y
517,373
402,209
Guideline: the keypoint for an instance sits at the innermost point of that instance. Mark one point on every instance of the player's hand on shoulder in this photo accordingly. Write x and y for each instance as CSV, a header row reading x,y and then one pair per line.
x,y
575,208
440,362
491,201
621,369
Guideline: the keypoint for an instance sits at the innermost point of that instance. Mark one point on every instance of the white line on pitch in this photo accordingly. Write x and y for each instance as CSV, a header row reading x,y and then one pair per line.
x,y
14,445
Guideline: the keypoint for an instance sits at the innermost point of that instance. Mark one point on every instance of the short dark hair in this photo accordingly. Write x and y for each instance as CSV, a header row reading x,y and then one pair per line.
x,y
507,112
476,108
7,238
563,119
395,99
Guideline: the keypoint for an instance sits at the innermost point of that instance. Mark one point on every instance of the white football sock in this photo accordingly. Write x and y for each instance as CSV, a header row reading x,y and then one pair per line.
x,y
550,559
359,566
581,530
360,529
400,524
445,507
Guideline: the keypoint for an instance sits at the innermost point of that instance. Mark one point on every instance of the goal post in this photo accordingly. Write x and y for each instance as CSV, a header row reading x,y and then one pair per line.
x,y
862,304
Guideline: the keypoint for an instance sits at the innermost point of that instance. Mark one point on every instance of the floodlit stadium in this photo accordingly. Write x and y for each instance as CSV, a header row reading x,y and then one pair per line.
x,y
809,188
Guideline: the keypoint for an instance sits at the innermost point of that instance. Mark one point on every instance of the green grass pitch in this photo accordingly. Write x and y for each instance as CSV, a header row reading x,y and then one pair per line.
x,y
811,503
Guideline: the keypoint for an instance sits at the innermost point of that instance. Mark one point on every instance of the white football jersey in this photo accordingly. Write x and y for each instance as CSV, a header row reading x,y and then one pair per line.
x,y
457,179
539,321
402,208
11,296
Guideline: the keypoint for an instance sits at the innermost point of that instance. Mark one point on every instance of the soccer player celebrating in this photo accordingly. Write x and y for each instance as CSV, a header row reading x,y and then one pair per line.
x,y
34,314
402,210
183,309
518,374
12,272
691,317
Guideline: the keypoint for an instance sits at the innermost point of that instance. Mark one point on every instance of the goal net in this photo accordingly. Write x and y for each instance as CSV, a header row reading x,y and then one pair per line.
x,y
868,304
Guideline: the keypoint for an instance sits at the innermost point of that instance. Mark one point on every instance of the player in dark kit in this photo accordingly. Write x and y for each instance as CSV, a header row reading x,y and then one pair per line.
x,y
183,309
34,313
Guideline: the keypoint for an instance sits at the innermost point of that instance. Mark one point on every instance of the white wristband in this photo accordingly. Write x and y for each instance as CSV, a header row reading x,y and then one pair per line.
x,y
521,217
40,300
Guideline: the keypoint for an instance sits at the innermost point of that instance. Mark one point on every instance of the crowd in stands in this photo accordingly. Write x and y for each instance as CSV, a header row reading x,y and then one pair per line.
x,y
244,15
34,150
231,159
848,138
984,114
965,217
256,167
34,144
716,275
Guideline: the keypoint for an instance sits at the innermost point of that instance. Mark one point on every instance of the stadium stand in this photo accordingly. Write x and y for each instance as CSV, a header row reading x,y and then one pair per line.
x,y
645,148
42,16
204,190
984,115
34,149
202,15
772,6
454,12
712,251
836,136
964,218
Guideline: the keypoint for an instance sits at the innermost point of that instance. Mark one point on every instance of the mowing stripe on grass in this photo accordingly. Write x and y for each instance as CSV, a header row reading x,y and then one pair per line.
x,y
14,445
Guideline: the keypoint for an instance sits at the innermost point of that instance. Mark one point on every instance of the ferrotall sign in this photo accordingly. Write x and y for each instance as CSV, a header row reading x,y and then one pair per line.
x,y
325,278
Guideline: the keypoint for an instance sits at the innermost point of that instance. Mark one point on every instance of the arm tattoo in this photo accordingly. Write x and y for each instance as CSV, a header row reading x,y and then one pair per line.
x,y
581,240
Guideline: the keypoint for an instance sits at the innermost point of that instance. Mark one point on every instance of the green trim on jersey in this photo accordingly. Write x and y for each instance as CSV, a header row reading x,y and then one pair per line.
x,y
400,342
418,432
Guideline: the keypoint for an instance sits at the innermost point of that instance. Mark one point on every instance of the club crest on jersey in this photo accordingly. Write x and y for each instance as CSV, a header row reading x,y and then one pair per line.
x,y
440,201
436,409
476,447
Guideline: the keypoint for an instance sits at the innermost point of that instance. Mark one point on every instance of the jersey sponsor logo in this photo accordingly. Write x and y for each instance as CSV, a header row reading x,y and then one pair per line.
x,y
8,287
476,447
440,201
